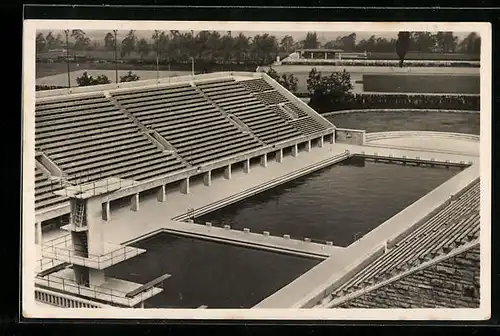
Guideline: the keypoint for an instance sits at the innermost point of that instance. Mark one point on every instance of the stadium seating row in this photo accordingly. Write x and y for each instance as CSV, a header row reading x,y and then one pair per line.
x,y
453,226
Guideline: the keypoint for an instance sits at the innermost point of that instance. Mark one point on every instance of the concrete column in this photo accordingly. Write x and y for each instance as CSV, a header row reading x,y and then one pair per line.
x,y
106,211
326,55
134,202
227,172
263,160
320,142
162,195
246,166
185,186
279,155
96,277
38,233
308,146
207,178
295,150
332,139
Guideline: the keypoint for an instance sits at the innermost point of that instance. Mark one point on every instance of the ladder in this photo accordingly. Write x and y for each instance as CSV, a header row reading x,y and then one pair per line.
x,y
78,215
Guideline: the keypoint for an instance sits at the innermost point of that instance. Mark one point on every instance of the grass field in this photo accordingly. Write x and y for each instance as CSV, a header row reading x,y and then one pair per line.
x,y
421,84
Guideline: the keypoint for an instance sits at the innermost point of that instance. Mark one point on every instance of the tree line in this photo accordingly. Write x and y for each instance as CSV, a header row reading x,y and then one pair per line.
x,y
213,46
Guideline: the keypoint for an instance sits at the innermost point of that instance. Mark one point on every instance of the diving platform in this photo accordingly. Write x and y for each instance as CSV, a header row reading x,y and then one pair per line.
x,y
112,291
63,249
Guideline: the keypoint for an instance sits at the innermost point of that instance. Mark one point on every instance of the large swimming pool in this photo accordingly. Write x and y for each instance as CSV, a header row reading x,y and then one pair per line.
x,y
338,203
409,121
208,273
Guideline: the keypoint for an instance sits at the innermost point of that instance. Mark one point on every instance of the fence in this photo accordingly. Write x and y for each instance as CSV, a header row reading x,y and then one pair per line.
x,y
63,300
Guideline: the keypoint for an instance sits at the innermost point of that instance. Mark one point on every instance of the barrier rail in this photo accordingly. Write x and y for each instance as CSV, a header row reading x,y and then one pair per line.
x,y
102,293
69,253
398,134
63,300
398,110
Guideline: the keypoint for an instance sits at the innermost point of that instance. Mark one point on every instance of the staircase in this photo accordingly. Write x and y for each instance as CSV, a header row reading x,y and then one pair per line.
x,y
78,215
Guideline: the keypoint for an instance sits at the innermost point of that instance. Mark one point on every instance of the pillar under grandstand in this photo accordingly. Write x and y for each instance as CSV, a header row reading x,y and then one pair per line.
x,y
106,211
320,142
295,150
308,146
246,166
38,233
185,186
207,178
279,155
263,160
162,196
134,202
227,172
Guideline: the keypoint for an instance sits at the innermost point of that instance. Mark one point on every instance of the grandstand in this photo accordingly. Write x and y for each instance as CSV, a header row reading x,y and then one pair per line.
x,y
155,133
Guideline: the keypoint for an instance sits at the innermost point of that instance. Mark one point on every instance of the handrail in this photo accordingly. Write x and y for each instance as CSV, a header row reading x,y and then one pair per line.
x,y
398,134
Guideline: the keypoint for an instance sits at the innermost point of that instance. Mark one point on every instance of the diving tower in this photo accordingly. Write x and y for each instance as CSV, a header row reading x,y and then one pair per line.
x,y
84,254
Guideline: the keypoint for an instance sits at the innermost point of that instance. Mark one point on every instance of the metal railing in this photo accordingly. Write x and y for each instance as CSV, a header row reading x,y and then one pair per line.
x,y
62,248
102,293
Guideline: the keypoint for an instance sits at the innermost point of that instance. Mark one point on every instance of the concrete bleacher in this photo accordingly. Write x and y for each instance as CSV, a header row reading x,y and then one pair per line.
x,y
279,104
188,121
235,99
452,227
44,197
89,138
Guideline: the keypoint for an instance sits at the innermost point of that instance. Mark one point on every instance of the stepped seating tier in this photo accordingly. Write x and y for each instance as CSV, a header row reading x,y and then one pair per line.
x,y
256,85
197,130
89,138
234,98
44,197
455,225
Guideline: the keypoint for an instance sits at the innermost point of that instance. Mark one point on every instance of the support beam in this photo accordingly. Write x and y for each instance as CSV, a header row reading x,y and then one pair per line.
x,y
106,211
279,155
263,160
332,138
227,172
207,178
295,150
134,202
320,142
308,146
246,166
38,233
185,186
162,195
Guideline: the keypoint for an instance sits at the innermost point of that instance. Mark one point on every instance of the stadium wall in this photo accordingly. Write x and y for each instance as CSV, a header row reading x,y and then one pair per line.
x,y
451,283
350,136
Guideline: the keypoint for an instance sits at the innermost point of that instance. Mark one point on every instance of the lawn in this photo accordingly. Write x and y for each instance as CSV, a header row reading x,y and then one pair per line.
x,y
421,84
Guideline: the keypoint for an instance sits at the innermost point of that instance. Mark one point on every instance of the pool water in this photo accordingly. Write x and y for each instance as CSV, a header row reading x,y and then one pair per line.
x,y
338,203
208,273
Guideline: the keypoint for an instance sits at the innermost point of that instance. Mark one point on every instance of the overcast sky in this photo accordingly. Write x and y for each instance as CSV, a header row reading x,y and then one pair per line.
x,y
297,36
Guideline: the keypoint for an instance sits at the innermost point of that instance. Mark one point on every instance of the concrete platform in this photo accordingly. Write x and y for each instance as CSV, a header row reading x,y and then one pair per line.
x,y
111,291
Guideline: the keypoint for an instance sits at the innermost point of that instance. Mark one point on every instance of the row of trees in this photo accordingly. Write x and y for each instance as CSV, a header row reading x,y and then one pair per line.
x,y
261,48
